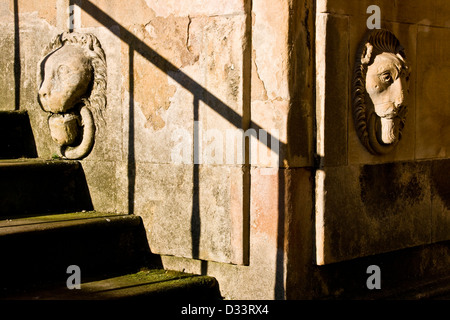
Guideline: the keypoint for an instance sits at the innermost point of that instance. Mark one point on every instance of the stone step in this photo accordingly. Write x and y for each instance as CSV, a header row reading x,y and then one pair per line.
x,y
35,186
36,251
147,284
435,289
16,136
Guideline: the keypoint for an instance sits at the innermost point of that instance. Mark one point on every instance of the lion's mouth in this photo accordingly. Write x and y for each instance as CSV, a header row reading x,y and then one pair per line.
x,y
389,111
388,131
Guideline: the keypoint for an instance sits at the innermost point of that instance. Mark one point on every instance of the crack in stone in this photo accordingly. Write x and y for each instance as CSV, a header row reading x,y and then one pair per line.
x,y
259,77
188,32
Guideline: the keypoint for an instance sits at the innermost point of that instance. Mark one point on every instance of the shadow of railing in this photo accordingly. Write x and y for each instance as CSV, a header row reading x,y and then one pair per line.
x,y
199,93
17,65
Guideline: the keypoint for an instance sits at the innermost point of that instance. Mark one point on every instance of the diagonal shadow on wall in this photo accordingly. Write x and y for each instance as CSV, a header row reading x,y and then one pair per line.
x,y
17,65
200,94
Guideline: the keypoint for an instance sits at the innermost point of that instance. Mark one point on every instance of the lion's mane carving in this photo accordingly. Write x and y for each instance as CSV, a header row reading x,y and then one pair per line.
x,y
376,42
74,65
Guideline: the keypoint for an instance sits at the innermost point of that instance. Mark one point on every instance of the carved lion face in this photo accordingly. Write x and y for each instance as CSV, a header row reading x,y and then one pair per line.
x,y
387,82
380,89
67,76
72,90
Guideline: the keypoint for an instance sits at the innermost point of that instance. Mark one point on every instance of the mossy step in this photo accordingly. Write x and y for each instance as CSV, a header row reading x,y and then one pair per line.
x,y
38,249
16,136
149,284
37,186
23,222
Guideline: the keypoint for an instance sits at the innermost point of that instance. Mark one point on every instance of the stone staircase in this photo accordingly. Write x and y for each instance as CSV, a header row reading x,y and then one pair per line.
x,y
47,223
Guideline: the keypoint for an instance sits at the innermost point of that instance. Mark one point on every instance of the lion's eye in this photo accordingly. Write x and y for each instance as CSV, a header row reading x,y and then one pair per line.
x,y
63,70
386,77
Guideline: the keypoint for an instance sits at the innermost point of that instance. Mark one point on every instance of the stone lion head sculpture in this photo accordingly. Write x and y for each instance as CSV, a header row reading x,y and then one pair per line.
x,y
72,90
380,88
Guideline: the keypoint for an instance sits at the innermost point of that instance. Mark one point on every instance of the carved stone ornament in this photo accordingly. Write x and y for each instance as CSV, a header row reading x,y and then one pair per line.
x,y
72,90
380,88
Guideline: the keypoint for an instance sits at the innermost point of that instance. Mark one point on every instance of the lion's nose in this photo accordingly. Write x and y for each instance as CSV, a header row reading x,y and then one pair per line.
x,y
43,93
44,90
397,92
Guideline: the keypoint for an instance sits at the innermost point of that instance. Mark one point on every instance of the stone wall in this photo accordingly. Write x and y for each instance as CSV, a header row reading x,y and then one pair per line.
x,y
185,81
366,203
286,215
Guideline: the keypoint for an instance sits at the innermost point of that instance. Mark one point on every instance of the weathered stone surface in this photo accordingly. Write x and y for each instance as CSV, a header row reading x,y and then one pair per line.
x,y
270,118
435,12
45,10
267,235
111,13
222,45
341,193
7,80
151,88
197,220
374,208
404,150
410,210
432,138
29,46
169,65
440,200
103,184
301,114
373,203
164,106
197,7
269,40
332,88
